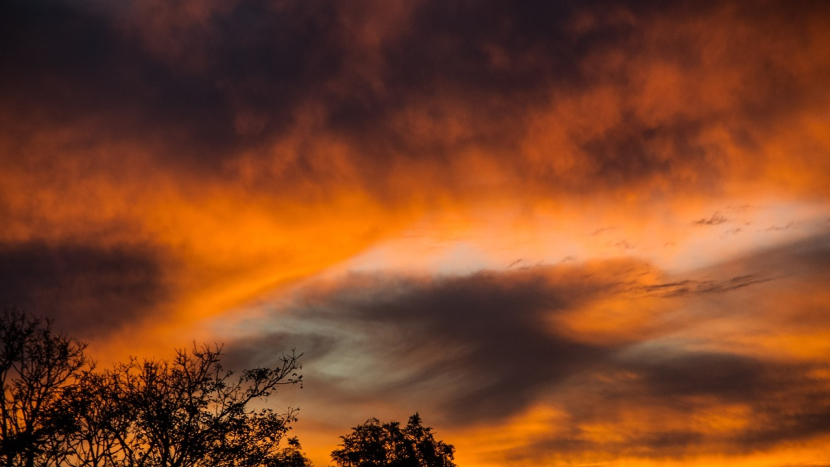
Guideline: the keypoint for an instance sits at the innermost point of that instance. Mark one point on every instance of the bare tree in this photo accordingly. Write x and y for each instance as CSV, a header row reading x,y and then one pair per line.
x,y
36,366
91,416
189,412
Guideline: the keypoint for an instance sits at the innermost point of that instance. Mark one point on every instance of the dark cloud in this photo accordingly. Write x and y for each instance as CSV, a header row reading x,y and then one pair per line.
x,y
783,402
75,63
668,374
88,291
492,329
202,84
489,65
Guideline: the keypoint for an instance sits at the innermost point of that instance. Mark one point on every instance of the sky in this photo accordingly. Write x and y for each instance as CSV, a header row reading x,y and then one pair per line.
x,y
566,233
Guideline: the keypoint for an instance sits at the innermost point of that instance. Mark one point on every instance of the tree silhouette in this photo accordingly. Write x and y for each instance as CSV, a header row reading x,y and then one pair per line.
x,y
190,412
187,412
93,418
36,367
387,445
291,456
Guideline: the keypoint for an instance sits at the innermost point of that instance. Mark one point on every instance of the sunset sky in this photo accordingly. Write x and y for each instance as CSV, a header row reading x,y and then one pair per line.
x,y
566,232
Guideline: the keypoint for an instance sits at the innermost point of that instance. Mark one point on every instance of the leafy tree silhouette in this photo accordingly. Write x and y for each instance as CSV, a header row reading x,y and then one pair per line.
x,y
387,445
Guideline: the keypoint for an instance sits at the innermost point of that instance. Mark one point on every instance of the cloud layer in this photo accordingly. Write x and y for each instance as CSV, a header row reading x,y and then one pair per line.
x,y
654,174
638,364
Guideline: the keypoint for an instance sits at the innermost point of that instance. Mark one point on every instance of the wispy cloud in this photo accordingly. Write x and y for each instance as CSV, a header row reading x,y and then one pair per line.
x,y
716,219
488,347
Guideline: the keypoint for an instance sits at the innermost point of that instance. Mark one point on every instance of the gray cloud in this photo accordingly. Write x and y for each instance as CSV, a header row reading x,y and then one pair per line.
x,y
485,347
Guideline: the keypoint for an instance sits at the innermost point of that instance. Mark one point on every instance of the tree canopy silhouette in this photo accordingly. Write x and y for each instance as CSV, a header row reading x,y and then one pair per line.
x,y
388,445
186,412
189,412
